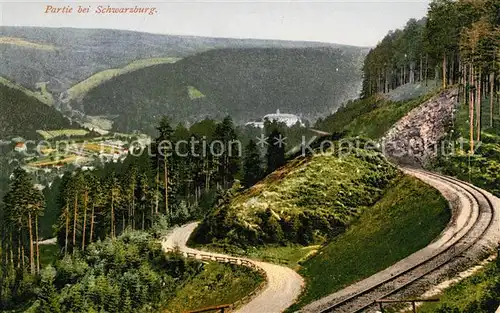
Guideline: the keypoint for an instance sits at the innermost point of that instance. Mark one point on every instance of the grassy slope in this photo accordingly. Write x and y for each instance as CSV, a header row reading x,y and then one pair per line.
x,y
78,91
479,293
27,115
305,202
371,117
408,217
43,96
217,284
473,294
24,43
321,182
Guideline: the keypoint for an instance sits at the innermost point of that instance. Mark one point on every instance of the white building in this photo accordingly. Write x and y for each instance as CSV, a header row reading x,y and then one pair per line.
x,y
288,119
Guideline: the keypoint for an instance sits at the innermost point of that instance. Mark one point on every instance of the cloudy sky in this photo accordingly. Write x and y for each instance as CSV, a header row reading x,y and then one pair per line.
x,y
361,23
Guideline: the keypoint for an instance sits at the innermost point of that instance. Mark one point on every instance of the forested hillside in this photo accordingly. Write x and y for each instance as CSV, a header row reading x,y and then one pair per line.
x,y
458,43
94,212
23,115
243,83
63,57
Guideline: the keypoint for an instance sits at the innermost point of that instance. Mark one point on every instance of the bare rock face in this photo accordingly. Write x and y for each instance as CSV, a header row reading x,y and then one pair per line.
x,y
414,140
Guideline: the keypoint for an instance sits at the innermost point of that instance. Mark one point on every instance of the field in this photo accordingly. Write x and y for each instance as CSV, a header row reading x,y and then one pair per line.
x,y
23,43
98,148
78,91
43,96
194,93
408,217
47,162
51,134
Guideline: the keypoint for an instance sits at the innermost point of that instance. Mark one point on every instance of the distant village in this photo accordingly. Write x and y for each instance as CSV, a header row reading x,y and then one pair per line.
x,y
46,162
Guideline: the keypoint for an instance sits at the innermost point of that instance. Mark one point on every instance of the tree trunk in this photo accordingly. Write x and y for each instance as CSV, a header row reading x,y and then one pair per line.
x,y
19,245
112,216
157,188
67,230
420,76
75,216
37,246
463,68
11,250
207,174
451,75
426,67
412,72
22,251
133,213
4,256
492,87
404,75
386,89
471,109
478,106
444,69
92,217
85,202
32,254
165,179
143,220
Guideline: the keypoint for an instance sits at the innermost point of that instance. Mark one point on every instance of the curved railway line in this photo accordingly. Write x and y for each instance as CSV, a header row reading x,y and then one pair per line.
x,y
479,222
474,230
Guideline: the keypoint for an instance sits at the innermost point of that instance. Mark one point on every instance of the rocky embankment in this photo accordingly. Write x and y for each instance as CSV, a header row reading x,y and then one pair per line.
x,y
416,138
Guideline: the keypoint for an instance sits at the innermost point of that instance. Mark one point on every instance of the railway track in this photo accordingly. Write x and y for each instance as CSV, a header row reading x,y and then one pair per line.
x,y
480,220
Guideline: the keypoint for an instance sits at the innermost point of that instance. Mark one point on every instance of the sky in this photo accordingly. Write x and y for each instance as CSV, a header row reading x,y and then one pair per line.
x,y
361,23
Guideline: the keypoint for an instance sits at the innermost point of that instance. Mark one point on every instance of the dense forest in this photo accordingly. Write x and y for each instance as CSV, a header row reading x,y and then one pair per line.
x,y
150,190
243,83
23,115
64,57
128,274
457,43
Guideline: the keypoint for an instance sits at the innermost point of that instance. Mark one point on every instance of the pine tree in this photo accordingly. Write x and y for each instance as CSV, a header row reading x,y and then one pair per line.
x,y
252,165
275,151
48,295
23,205
229,152
162,160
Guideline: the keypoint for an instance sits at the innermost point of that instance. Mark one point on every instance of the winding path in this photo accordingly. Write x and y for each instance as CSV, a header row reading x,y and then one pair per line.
x,y
283,287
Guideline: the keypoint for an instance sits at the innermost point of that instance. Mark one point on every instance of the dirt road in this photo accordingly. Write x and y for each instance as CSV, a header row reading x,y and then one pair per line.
x,y
283,284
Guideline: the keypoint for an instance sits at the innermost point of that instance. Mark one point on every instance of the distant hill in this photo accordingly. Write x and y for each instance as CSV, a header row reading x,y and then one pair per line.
x,y
22,115
65,56
132,78
244,83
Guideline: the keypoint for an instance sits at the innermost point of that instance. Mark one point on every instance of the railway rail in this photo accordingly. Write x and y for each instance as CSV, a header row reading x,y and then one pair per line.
x,y
480,221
